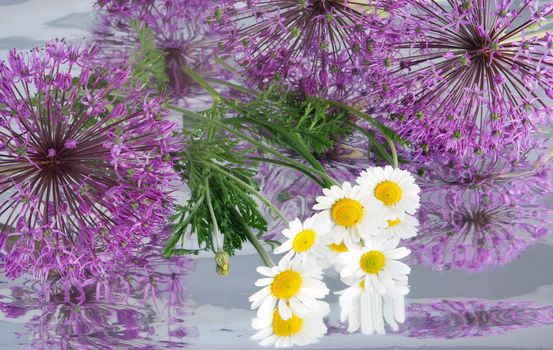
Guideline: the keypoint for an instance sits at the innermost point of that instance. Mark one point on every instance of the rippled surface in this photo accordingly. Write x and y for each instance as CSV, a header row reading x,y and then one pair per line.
x,y
510,307
144,310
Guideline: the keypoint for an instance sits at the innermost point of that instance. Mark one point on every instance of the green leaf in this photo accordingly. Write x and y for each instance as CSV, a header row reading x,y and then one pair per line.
x,y
232,204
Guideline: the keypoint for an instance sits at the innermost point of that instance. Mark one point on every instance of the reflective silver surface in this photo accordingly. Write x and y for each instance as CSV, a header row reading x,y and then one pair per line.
x,y
504,308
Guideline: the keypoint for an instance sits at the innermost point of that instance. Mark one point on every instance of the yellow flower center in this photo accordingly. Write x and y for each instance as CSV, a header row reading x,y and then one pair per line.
x,y
388,192
286,284
372,261
338,248
304,240
393,223
346,212
284,328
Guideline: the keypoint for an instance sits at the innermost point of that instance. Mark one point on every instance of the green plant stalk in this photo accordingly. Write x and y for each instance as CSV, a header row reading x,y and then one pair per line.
x,y
283,163
255,242
394,153
328,181
377,145
299,147
381,128
225,65
218,97
250,189
175,239
218,246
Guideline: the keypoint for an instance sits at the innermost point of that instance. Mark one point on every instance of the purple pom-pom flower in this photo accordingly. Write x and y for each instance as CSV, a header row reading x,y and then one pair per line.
x,y
180,31
475,77
483,215
335,48
85,166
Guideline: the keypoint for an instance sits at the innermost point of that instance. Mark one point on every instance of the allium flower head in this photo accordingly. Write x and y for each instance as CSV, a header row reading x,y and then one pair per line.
x,y
93,319
325,47
451,319
180,30
506,175
475,77
462,229
84,173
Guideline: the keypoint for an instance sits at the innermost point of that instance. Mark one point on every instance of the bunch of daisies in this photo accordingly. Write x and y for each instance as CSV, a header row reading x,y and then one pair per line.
x,y
356,230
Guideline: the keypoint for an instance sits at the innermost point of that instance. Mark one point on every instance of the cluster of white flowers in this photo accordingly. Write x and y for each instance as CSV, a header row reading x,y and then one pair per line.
x,y
356,231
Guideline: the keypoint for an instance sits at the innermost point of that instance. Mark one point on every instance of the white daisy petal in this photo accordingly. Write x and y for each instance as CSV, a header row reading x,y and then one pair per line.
x,y
275,331
380,281
393,188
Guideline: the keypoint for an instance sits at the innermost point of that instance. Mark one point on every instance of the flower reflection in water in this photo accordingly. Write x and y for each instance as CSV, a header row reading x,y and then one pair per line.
x,y
484,214
472,318
450,319
143,309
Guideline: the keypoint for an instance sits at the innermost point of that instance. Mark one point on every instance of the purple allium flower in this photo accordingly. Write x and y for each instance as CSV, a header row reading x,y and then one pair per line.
x,y
450,319
322,47
453,319
506,175
476,76
85,165
180,30
475,229
122,319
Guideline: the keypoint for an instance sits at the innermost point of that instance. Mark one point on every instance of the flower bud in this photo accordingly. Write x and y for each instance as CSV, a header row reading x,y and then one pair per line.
x,y
222,260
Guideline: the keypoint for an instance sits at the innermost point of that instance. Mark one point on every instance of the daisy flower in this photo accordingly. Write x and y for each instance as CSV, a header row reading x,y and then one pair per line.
x,y
353,213
274,330
291,287
306,241
394,188
332,253
376,263
367,310
402,227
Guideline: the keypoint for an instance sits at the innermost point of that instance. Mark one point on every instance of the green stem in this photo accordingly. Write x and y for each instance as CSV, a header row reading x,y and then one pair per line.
x,y
329,181
201,81
378,146
217,234
234,86
394,153
183,222
216,96
225,65
283,163
378,125
254,241
250,189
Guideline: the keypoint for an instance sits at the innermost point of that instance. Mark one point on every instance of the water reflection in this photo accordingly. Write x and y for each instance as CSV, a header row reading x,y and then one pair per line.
x,y
472,318
451,319
144,309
